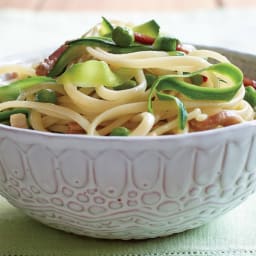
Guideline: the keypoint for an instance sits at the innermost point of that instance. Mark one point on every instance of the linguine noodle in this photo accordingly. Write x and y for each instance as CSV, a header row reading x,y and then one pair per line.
x,y
98,109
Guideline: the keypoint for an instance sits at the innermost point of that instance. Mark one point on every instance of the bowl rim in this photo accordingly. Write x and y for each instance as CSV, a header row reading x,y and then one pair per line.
x,y
182,136
28,57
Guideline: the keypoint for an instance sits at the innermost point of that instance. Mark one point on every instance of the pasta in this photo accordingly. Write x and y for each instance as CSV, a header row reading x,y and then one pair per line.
x,y
119,79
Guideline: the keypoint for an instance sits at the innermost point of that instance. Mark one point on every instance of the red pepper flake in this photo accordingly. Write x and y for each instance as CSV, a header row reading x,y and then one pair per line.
x,y
249,82
143,39
205,79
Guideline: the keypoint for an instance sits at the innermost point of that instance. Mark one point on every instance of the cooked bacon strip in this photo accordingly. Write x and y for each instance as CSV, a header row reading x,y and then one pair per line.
x,y
10,76
223,118
44,67
249,82
74,128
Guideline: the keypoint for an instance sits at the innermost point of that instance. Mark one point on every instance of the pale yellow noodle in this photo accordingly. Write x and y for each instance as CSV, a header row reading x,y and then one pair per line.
x,y
56,87
245,111
212,80
131,108
49,109
118,122
173,124
101,109
98,105
87,90
209,54
147,122
215,104
84,101
174,63
49,121
36,122
60,128
21,70
65,101
162,129
142,55
127,94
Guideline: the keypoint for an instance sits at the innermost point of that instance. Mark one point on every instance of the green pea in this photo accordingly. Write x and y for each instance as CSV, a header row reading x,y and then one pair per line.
x,y
250,95
46,95
120,131
122,36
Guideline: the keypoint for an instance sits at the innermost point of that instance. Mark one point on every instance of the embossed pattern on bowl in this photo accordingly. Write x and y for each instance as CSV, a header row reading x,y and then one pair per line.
x,y
129,188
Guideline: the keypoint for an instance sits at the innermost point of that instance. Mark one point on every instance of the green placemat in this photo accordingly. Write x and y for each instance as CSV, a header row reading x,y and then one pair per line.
x,y
231,234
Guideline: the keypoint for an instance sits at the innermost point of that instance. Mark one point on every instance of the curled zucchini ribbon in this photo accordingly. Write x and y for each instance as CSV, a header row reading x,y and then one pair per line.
x,y
5,115
13,90
195,92
76,48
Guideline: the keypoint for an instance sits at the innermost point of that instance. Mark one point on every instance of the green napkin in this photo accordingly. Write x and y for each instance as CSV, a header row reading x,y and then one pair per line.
x,y
231,234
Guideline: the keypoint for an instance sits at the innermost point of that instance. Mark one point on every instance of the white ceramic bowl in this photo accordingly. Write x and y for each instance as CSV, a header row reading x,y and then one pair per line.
x,y
129,188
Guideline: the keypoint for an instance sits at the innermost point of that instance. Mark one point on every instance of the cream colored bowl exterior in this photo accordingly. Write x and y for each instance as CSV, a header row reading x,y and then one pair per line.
x,y
129,188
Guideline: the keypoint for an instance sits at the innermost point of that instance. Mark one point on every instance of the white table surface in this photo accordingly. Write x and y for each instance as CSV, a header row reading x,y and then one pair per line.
x,y
32,31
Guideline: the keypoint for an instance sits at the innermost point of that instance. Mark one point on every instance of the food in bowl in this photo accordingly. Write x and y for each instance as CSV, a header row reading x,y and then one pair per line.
x,y
124,80
127,187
